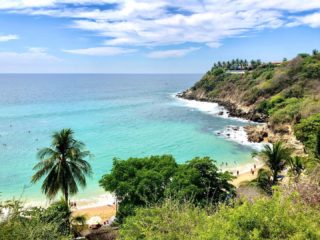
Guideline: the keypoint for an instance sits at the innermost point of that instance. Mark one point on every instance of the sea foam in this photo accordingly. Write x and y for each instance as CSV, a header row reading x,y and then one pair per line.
x,y
233,133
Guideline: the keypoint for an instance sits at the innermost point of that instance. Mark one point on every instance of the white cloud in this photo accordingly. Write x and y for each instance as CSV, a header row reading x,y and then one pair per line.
x,y
33,55
171,53
313,20
6,38
149,23
101,51
20,4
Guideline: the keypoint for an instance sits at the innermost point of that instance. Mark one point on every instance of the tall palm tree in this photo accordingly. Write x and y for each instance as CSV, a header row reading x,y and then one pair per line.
x,y
275,157
63,165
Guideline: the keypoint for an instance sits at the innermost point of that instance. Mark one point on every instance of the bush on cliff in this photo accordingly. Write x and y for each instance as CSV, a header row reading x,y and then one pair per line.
x,y
306,131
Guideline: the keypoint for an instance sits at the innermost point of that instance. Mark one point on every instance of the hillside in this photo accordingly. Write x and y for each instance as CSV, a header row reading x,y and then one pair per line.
x,y
284,95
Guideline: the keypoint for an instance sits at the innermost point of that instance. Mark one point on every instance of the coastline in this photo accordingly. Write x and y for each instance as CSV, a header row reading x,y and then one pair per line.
x,y
104,202
258,130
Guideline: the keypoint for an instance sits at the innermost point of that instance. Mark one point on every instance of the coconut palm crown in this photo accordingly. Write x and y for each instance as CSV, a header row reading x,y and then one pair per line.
x,y
275,157
62,165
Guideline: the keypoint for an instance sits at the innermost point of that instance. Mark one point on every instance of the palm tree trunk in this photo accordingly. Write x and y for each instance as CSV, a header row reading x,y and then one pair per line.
x,y
66,196
275,175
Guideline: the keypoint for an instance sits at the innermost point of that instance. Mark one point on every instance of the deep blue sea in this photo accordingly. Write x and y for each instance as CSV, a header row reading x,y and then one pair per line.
x,y
114,115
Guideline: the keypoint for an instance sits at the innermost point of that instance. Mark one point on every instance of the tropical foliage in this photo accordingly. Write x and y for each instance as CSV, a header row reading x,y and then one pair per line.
x,y
278,217
200,182
275,157
297,165
62,165
236,64
307,130
286,93
33,223
144,181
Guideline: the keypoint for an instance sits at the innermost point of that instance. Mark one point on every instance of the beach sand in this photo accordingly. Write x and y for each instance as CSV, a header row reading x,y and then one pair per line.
x,y
105,212
243,177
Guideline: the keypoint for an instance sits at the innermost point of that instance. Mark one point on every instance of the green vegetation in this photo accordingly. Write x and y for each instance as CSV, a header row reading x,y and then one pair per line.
x,y
144,181
63,165
235,64
279,217
307,130
34,223
160,199
200,182
276,158
284,93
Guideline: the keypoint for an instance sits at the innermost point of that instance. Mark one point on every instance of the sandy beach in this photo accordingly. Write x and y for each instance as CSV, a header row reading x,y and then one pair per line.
x,y
105,212
245,176
108,210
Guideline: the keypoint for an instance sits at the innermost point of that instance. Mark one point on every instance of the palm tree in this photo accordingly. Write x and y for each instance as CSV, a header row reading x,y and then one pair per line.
x,y
246,64
296,167
63,165
315,52
275,157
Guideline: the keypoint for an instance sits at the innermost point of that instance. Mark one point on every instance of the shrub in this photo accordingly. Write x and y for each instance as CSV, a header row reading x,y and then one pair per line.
x,y
138,182
286,111
276,218
29,224
312,70
306,130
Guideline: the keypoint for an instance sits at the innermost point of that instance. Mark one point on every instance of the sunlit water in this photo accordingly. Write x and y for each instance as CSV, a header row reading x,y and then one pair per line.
x,y
115,115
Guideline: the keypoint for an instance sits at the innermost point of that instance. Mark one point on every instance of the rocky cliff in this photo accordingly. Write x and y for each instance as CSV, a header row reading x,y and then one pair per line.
x,y
280,95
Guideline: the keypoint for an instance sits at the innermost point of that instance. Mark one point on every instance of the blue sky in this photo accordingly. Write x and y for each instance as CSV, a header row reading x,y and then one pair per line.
x,y
158,36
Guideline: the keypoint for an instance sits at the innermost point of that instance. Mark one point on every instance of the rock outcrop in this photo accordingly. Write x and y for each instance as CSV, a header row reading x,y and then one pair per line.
x,y
256,132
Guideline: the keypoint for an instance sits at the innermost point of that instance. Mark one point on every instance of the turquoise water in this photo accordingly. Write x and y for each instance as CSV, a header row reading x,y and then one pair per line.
x,y
115,115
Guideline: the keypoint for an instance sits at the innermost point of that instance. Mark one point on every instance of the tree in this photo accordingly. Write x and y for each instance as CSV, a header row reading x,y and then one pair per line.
x,y
200,182
275,157
315,52
296,167
138,181
63,165
263,181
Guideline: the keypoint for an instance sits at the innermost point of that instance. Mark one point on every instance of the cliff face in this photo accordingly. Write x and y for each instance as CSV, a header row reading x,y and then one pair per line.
x,y
281,95
231,103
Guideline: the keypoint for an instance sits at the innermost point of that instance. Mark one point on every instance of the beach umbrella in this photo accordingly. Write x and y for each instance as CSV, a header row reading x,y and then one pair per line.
x,y
94,221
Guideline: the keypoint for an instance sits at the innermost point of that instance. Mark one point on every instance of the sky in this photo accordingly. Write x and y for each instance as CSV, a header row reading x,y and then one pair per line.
x,y
154,36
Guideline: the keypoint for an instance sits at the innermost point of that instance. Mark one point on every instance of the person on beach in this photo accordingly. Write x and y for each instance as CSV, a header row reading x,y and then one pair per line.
x,y
252,171
237,172
255,167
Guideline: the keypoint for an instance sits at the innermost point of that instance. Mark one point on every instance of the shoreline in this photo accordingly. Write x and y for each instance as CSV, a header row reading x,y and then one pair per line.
x,y
259,131
104,200
107,200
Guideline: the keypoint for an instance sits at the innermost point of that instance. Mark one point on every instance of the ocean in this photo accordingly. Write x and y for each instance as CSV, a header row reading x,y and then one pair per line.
x,y
115,116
